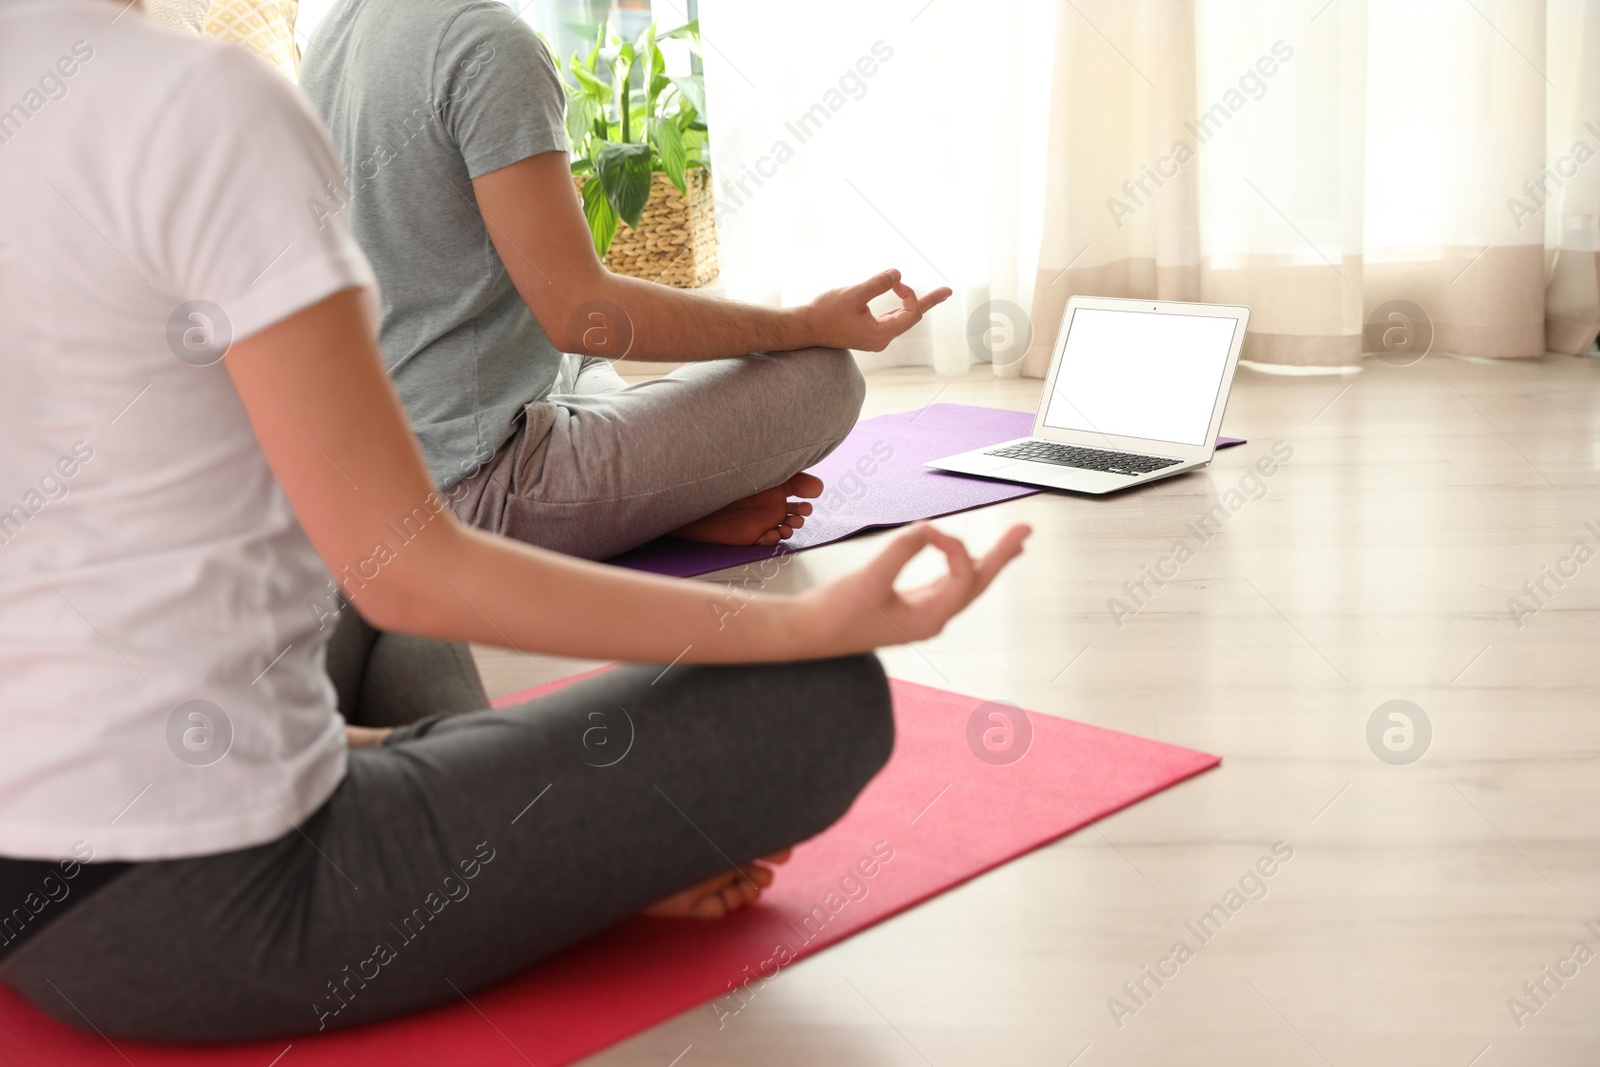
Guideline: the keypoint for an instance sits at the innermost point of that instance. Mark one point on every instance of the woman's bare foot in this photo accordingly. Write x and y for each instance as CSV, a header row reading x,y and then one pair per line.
x,y
720,895
763,518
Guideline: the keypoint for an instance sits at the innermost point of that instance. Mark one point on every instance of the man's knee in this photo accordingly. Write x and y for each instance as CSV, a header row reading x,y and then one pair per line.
x,y
834,379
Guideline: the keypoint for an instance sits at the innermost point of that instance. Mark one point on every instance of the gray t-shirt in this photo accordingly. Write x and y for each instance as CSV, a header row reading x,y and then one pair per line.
x,y
420,97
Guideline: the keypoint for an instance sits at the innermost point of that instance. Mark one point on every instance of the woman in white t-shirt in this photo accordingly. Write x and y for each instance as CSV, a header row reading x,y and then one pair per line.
x,y
196,431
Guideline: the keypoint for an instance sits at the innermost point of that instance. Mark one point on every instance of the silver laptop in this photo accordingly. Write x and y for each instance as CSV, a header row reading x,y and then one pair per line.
x,y
1135,392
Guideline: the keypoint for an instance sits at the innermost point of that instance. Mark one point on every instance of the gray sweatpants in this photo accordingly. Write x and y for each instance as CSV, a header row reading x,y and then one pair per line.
x,y
468,846
601,466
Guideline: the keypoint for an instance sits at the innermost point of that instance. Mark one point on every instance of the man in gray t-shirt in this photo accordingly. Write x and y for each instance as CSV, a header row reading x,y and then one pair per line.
x,y
448,116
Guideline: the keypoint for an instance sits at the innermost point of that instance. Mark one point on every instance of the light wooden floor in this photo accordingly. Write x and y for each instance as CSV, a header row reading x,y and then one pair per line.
x,y
1420,898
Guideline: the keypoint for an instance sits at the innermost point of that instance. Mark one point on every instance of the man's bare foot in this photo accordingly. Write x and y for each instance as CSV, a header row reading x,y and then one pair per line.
x,y
763,518
721,895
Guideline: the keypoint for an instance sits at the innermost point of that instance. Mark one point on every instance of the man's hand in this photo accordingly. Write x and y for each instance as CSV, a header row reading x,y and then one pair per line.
x,y
840,318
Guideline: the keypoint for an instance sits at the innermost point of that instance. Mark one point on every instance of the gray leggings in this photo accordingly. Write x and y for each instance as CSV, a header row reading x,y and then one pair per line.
x,y
468,846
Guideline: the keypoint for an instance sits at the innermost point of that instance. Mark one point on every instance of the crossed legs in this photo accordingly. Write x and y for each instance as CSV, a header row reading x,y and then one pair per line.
x,y
713,451
468,846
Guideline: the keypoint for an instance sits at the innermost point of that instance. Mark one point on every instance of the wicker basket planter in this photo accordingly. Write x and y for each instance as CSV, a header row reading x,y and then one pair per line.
x,y
676,240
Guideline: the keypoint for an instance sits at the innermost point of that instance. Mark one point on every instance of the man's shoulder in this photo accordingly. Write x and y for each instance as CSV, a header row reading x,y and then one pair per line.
x,y
381,24
366,41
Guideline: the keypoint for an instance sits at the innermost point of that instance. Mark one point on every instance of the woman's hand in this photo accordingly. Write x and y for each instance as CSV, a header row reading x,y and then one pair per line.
x,y
863,611
365,736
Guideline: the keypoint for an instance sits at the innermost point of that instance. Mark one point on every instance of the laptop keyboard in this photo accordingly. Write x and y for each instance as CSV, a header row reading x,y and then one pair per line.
x,y
1089,459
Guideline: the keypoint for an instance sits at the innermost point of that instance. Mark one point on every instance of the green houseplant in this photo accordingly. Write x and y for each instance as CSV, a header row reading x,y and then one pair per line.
x,y
639,156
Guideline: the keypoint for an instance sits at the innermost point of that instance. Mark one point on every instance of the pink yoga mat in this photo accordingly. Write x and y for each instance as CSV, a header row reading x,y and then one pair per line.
x,y
875,478
936,816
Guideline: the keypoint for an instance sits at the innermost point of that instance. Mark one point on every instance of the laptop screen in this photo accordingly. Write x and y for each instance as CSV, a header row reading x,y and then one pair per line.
x,y
1145,374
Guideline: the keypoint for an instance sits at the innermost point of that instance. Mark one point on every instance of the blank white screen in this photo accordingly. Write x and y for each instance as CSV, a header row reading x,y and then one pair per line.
x,y
1140,374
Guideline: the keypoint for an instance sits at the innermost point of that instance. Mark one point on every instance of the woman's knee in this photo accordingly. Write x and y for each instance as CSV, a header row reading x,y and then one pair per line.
x,y
761,755
865,717
850,727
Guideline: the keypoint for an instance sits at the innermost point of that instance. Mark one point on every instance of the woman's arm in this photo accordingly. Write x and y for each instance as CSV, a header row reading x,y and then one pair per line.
x,y
334,433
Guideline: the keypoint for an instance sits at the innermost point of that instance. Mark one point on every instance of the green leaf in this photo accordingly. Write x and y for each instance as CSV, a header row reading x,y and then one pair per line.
x,y
602,218
668,143
622,73
653,66
582,111
589,85
694,148
693,88
646,51
624,171
689,30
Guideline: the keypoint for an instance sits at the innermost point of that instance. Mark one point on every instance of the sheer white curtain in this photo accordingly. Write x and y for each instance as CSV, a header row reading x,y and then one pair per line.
x,y
1314,159
848,137
1339,155
1482,179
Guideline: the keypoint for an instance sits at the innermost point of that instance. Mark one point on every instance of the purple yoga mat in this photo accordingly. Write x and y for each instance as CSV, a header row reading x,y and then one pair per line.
x,y
874,478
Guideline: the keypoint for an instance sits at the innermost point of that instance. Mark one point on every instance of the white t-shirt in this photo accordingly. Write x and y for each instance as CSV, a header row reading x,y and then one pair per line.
x,y
162,682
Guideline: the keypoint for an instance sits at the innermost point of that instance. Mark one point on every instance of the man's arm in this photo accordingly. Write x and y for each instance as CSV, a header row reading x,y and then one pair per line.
x,y
326,415
536,221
